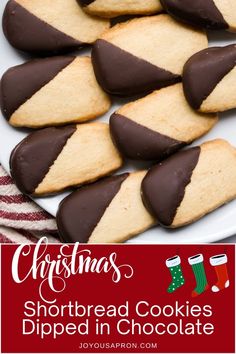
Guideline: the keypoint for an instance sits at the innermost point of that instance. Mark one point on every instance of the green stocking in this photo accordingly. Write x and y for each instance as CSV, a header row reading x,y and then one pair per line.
x,y
199,272
176,273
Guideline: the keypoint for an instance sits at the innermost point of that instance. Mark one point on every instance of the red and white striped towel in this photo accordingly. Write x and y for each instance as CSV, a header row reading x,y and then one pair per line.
x,y
21,220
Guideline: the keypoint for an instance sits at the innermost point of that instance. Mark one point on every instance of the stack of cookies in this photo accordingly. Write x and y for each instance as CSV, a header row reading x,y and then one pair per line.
x,y
160,61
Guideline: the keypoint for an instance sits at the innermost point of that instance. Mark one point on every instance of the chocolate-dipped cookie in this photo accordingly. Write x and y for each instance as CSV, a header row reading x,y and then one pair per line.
x,y
52,159
112,208
158,125
144,54
209,79
211,14
50,26
52,91
114,8
191,183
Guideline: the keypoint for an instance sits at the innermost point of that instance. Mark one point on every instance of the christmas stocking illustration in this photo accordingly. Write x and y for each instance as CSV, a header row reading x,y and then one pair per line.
x,y
199,272
219,262
176,273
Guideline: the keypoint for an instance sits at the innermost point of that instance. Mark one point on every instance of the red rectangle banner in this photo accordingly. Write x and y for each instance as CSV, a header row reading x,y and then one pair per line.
x,y
118,298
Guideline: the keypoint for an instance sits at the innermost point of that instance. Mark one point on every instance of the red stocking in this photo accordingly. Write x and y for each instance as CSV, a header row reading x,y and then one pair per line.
x,y
220,263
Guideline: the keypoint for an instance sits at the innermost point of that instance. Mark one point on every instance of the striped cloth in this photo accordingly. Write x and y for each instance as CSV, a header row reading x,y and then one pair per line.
x,y
21,220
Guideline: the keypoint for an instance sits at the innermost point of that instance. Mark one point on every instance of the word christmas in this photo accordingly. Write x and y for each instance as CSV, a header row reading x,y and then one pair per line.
x,y
53,272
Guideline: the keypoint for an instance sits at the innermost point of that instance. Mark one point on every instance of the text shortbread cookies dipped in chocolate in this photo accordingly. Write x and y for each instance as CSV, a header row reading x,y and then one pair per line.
x,y
158,125
107,211
50,26
52,91
144,54
52,159
209,79
114,8
191,183
211,14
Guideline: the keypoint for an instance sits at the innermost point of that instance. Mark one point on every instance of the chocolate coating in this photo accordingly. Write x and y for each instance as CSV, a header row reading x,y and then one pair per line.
x,y
85,2
124,74
21,82
81,211
203,13
32,157
204,70
140,143
164,185
27,32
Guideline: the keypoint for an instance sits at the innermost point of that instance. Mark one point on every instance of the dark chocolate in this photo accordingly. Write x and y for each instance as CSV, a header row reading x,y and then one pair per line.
x,y
163,187
32,157
29,33
85,2
140,143
21,82
81,211
203,13
124,74
204,70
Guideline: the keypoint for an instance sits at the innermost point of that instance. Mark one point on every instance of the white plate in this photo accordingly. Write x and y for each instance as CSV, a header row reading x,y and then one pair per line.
x,y
218,225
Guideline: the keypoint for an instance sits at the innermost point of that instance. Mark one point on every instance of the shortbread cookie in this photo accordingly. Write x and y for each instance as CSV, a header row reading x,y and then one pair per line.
x,y
112,208
50,26
52,159
211,14
52,91
209,79
144,54
191,183
114,8
158,125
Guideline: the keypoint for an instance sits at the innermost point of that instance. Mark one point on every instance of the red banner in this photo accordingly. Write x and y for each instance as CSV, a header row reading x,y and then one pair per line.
x,y
118,298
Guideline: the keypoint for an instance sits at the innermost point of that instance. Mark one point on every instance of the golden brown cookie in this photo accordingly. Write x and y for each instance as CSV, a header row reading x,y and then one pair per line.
x,y
144,54
158,125
52,159
209,79
112,208
50,26
114,8
52,91
211,14
191,183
